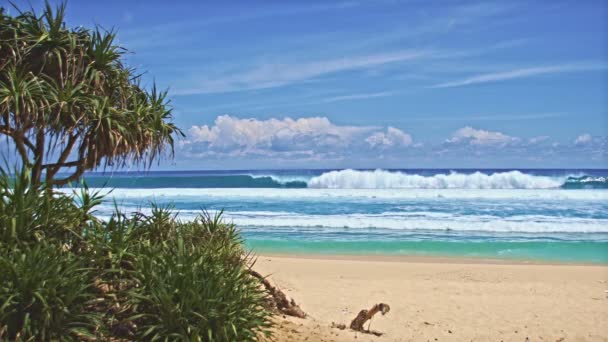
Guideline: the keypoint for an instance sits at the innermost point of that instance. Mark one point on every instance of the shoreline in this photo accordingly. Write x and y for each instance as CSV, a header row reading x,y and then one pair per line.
x,y
433,259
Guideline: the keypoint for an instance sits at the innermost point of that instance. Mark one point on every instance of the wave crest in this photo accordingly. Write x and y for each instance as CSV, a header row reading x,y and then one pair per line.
x,y
381,179
586,182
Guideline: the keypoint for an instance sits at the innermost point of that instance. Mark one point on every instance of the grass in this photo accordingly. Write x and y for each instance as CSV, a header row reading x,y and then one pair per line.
x,y
65,274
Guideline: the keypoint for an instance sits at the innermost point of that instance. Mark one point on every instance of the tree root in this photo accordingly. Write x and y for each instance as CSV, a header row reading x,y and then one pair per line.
x,y
367,315
278,301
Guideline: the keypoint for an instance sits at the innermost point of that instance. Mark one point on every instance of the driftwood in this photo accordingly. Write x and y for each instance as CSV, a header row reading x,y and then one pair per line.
x,y
366,315
278,301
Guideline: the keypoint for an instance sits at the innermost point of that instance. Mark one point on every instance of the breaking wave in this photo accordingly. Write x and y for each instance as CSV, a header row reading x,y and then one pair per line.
x,y
380,179
360,179
586,182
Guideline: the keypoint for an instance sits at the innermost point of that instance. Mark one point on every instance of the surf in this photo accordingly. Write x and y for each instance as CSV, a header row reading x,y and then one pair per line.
x,y
381,179
357,179
194,181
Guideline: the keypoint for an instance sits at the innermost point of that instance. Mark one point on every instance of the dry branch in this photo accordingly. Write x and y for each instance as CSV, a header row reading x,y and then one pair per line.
x,y
366,315
278,300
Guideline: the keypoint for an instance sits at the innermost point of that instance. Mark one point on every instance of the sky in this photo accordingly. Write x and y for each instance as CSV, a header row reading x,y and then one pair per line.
x,y
372,84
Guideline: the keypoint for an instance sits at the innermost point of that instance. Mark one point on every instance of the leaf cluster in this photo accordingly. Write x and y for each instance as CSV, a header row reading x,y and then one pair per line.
x,y
65,274
69,103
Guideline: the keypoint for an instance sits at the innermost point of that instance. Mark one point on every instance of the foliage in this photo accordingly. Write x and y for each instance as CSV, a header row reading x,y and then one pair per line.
x,y
69,103
193,293
44,294
65,273
27,213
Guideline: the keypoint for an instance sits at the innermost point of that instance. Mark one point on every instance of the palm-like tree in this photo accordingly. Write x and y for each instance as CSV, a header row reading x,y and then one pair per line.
x,y
69,104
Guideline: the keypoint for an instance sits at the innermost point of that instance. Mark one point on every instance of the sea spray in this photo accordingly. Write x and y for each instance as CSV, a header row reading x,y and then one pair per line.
x,y
354,179
381,179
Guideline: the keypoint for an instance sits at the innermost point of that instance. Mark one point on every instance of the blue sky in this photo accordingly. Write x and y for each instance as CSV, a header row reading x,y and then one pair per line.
x,y
401,84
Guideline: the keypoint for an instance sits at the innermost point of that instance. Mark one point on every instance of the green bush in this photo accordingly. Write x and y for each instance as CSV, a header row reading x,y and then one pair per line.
x,y
64,273
194,292
29,213
45,293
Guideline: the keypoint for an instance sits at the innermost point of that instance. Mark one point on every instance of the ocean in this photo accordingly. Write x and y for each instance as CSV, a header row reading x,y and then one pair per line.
x,y
538,215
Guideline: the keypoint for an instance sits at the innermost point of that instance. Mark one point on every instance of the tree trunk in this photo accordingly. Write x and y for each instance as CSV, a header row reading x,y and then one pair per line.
x,y
39,159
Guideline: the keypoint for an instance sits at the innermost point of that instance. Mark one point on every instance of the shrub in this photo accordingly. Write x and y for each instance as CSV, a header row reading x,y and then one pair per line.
x,y
45,293
64,273
29,213
197,292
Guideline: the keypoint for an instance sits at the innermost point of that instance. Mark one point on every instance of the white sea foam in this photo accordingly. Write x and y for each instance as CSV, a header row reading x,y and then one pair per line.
x,y
398,222
405,221
381,179
353,194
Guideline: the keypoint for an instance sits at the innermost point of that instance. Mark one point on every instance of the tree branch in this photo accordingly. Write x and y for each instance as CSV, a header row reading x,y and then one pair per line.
x,y
19,142
60,165
21,149
39,154
54,168
29,144
80,168
71,178
6,131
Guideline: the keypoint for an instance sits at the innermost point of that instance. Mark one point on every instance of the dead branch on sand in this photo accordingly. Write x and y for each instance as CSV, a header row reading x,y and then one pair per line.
x,y
278,300
365,315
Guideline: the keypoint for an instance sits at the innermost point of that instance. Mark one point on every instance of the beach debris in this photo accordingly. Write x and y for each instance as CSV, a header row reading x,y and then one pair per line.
x,y
278,300
340,326
366,315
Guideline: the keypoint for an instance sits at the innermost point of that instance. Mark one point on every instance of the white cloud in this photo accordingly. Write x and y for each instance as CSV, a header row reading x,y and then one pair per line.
x,y
538,140
308,137
594,147
273,136
522,73
472,136
317,140
278,74
358,96
583,139
393,137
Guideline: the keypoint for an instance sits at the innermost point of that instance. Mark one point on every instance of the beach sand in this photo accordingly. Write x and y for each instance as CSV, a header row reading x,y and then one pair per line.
x,y
439,299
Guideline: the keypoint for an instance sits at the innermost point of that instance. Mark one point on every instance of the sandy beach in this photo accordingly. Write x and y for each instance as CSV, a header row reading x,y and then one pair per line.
x,y
438,299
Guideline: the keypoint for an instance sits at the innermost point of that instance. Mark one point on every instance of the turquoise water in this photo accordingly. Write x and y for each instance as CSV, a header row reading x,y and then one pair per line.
x,y
583,252
551,215
563,247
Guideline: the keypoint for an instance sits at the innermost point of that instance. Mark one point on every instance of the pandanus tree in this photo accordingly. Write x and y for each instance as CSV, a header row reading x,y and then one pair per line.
x,y
68,102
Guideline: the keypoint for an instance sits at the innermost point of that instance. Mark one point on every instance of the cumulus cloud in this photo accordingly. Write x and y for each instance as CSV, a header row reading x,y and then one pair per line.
x,y
480,137
313,140
538,140
287,136
594,147
393,137
583,139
